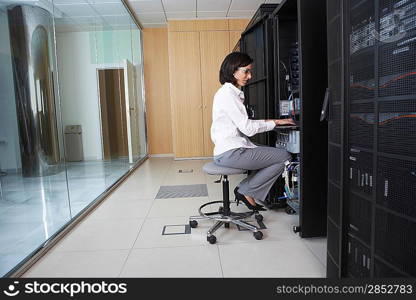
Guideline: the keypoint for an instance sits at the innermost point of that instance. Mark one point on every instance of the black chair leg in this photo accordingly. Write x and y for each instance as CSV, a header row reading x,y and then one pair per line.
x,y
226,195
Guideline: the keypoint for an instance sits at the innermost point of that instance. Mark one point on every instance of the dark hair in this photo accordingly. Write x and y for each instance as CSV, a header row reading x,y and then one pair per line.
x,y
231,63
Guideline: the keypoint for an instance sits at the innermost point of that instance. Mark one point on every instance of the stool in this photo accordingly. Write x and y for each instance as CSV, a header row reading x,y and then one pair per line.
x,y
225,216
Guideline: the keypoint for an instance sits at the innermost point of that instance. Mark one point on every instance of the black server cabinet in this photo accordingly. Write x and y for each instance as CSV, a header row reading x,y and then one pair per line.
x,y
256,41
335,29
301,70
373,220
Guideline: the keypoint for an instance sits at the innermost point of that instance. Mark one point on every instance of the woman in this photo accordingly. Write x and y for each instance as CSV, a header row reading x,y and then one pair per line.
x,y
229,131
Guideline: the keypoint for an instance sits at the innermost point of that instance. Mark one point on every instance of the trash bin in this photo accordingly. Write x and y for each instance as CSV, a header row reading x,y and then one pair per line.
x,y
73,143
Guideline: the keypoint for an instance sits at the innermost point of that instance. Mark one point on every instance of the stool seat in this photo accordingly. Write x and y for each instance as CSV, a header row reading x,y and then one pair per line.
x,y
214,169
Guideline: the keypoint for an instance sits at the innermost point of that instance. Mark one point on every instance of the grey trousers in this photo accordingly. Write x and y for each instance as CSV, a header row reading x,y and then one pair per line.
x,y
267,164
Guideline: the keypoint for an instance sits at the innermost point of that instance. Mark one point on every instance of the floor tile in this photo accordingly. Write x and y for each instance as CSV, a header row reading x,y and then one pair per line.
x,y
318,247
269,259
101,235
180,179
176,207
189,262
80,264
138,191
151,233
121,208
139,179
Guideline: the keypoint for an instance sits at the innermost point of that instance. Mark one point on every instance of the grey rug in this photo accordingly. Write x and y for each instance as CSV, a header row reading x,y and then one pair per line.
x,y
182,191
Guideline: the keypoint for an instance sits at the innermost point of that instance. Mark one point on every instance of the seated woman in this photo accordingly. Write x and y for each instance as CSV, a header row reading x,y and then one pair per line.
x,y
231,127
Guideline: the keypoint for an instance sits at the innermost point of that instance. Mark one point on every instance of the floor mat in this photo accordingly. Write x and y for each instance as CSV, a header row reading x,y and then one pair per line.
x,y
182,191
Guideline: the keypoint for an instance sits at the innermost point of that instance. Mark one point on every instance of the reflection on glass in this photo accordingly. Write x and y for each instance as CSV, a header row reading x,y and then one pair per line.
x,y
34,202
30,30
141,111
71,114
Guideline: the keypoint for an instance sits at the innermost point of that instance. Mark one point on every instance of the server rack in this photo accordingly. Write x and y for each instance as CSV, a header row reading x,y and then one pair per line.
x,y
372,180
256,41
300,45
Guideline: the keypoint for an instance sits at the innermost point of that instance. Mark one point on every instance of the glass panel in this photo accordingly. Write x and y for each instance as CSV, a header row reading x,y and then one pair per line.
x,y
64,118
33,191
94,43
138,64
113,47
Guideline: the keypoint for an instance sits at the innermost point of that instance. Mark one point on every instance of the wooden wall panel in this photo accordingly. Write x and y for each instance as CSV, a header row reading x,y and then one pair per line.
x,y
234,38
198,25
193,44
156,77
185,87
182,25
237,24
212,25
214,48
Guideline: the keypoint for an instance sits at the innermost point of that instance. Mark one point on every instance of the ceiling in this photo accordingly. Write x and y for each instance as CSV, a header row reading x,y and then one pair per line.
x,y
84,15
155,13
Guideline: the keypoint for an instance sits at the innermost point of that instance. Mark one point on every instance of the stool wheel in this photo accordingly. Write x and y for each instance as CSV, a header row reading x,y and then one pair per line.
x,y
290,211
296,229
193,224
258,235
259,218
211,239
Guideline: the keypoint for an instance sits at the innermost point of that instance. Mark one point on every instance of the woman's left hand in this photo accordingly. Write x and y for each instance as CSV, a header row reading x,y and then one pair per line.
x,y
282,122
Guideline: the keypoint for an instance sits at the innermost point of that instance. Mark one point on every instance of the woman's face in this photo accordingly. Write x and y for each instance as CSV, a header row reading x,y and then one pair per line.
x,y
243,75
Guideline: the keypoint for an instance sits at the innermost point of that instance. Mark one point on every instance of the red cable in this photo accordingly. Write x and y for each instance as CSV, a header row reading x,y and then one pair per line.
x,y
387,121
386,84
396,118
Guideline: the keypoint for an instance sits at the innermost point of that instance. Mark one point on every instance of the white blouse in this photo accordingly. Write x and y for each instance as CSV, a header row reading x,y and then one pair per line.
x,y
230,123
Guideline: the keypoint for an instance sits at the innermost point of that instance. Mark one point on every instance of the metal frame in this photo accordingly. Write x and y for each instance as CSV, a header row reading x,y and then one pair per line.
x,y
225,216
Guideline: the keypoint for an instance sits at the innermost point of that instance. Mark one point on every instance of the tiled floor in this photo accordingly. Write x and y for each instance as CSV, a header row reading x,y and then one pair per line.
x,y
123,236
34,208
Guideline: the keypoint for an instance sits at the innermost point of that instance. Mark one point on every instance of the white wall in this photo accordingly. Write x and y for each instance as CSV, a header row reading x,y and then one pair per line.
x,y
79,89
9,136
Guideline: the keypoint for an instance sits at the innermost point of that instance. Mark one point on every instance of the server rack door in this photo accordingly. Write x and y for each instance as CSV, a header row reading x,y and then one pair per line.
x,y
380,188
395,143
335,21
313,137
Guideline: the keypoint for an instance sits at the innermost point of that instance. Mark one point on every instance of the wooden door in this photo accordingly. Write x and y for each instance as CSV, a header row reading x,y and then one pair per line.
x,y
214,48
185,86
158,102
113,117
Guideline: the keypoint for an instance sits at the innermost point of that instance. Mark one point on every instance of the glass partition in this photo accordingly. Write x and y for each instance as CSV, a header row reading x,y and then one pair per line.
x,y
72,117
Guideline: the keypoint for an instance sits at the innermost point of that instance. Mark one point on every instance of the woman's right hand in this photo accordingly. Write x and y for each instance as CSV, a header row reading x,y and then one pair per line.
x,y
282,122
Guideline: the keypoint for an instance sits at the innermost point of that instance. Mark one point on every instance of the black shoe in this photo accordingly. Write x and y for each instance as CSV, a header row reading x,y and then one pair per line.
x,y
239,197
